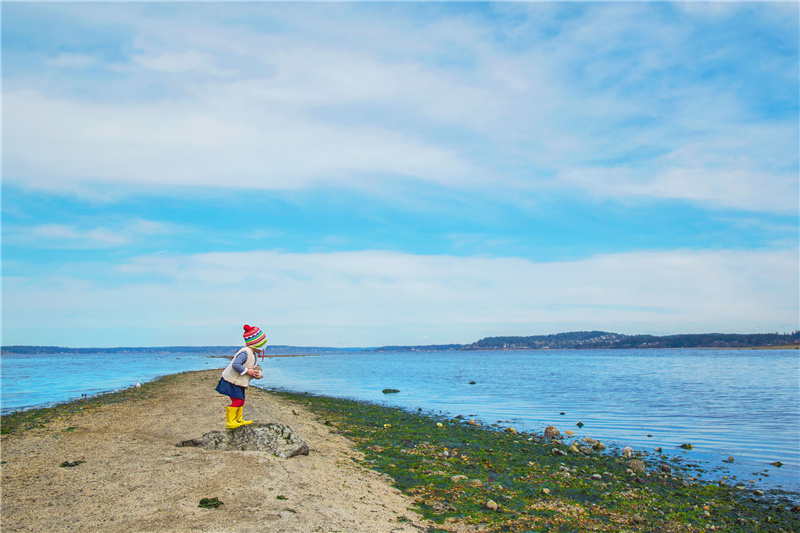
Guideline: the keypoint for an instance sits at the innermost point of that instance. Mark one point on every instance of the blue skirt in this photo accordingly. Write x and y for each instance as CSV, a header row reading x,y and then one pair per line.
x,y
229,389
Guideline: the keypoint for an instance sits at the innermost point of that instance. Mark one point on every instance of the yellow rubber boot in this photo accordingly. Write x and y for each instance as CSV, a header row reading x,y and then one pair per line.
x,y
230,417
239,417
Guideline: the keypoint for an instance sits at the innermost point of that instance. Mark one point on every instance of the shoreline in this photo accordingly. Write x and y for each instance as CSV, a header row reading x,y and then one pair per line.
x,y
448,471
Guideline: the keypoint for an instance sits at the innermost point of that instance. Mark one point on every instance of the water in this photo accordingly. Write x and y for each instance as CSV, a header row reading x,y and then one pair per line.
x,y
42,380
740,403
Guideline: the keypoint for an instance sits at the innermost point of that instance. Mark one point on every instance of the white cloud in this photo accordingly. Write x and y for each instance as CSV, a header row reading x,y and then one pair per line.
x,y
68,236
70,60
375,297
230,140
339,95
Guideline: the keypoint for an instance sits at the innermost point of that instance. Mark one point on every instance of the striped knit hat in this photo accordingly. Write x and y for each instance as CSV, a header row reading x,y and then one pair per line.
x,y
254,337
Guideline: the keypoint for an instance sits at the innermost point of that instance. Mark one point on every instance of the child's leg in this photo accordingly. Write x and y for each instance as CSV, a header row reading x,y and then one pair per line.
x,y
237,402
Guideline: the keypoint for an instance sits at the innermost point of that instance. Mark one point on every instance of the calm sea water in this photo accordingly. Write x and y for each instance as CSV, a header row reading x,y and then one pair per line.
x,y
740,403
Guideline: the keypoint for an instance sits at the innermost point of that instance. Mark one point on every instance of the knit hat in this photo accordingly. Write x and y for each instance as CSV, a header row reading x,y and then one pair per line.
x,y
254,337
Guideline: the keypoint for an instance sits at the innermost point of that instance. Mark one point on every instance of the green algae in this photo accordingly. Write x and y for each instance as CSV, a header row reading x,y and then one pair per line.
x,y
451,468
210,503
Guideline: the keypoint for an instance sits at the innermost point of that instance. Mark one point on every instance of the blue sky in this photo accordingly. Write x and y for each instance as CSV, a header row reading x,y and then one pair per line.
x,y
361,174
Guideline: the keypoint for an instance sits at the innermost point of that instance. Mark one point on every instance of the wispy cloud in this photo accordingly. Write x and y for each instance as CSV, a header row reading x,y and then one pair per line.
x,y
305,294
73,237
624,100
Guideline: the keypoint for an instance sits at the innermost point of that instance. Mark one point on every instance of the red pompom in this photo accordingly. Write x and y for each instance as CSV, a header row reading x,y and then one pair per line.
x,y
246,327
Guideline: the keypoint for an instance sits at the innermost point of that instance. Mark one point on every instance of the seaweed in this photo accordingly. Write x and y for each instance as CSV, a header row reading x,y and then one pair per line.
x,y
451,468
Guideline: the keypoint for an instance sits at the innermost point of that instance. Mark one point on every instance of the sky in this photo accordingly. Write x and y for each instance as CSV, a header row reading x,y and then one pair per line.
x,y
368,174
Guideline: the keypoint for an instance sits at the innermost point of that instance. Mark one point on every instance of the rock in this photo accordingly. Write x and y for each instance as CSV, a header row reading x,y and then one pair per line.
x,y
511,430
636,465
579,424
491,505
666,469
574,448
627,451
556,451
728,460
585,449
472,383
657,450
477,483
458,479
758,492
599,446
545,491
638,519
777,463
687,446
277,439
597,477
588,440
472,422
551,432
390,391
569,432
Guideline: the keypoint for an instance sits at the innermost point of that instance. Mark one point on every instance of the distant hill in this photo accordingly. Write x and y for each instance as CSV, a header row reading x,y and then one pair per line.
x,y
583,340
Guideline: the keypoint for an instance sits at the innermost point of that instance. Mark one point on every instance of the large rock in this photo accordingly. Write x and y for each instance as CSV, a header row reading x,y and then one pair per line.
x,y
637,466
551,432
276,439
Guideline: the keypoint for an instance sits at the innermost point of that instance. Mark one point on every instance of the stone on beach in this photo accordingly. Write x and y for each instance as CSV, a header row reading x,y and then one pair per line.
x,y
627,451
636,465
551,432
277,439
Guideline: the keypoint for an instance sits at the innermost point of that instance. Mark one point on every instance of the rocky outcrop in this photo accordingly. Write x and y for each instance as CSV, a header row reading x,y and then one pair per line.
x,y
277,439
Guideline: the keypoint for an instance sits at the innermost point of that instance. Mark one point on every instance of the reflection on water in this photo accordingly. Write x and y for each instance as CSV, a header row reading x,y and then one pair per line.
x,y
741,403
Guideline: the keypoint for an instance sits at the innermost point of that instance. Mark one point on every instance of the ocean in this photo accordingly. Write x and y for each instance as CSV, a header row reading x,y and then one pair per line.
x,y
743,404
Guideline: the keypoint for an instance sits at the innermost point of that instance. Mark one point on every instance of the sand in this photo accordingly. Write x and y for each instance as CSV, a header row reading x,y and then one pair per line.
x,y
134,478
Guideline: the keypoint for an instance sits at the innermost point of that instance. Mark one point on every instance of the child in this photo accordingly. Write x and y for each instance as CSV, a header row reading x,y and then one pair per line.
x,y
236,377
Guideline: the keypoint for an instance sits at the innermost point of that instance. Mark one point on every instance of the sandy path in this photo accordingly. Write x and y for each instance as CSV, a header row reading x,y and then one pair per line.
x,y
136,479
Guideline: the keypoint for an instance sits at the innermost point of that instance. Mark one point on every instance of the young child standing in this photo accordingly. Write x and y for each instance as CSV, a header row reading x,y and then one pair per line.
x,y
236,377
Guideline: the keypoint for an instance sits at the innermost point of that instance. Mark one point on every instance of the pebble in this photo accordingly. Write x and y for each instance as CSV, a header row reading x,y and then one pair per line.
x,y
569,432
545,491
491,505
666,468
551,432
599,446
574,448
597,477
458,479
638,519
556,451
636,465
627,451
